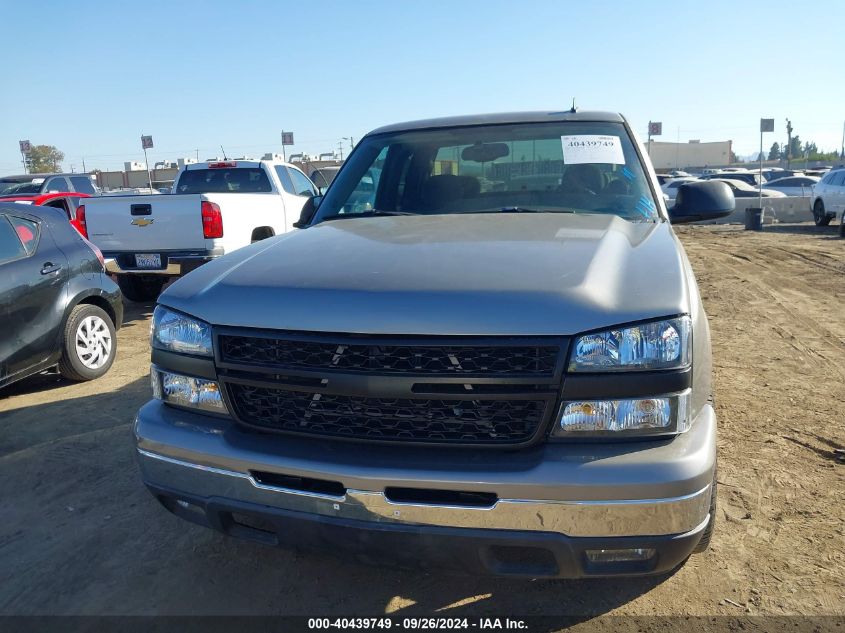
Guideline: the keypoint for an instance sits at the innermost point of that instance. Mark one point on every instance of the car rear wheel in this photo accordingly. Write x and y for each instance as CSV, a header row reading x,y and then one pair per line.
x,y
89,344
820,216
140,289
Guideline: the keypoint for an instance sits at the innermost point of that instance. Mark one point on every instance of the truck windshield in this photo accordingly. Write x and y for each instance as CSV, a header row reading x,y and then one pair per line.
x,y
564,167
227,180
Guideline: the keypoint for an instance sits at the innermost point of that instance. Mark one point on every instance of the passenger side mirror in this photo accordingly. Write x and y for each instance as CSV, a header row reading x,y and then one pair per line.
x,y
702,201
308,211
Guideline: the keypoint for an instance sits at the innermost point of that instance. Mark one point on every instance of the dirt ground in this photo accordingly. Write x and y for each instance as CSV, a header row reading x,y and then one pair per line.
x,y
80,535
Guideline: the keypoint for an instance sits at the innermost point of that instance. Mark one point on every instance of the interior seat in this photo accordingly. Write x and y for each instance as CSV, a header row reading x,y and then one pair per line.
x,y
440,191
582,178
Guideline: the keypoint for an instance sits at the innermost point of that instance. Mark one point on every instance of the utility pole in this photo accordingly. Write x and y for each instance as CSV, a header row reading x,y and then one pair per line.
x,y
766,125
83,165
198,154
351,142
340,148
788,142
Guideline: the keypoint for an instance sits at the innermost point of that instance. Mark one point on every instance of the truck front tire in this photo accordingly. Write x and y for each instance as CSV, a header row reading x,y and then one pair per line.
x,y
140,288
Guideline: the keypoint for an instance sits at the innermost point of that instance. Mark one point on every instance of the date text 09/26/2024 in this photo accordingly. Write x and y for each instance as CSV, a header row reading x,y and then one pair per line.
x,y
416,624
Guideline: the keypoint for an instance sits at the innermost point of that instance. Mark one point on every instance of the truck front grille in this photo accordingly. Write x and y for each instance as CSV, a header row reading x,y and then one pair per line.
x,y
386,358
482,421
458,390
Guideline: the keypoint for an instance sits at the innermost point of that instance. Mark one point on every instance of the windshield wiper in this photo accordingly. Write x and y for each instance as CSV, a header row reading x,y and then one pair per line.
x,y
365,214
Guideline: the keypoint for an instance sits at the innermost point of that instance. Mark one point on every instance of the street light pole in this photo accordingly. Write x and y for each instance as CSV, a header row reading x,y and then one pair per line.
x,y
766,125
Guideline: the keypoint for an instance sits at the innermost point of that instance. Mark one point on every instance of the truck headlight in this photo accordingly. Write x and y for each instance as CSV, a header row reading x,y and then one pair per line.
x,y
176,332
629,416
664,344
187,391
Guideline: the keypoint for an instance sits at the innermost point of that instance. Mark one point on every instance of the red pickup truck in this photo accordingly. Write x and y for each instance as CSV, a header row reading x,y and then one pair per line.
x,y
66,201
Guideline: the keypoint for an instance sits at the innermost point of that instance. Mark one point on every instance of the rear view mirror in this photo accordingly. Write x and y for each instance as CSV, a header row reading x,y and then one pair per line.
x,y
702,201
485,152
308,211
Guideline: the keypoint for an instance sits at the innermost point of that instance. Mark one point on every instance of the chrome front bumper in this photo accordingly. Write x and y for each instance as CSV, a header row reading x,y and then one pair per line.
x,y
588,490
634,517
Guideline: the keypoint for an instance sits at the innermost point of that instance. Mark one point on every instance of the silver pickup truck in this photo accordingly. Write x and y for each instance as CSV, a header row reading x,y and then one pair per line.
x,y
485,349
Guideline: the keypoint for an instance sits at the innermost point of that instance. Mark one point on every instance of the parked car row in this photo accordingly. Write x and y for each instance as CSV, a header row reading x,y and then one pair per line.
x,y
825,191
36,184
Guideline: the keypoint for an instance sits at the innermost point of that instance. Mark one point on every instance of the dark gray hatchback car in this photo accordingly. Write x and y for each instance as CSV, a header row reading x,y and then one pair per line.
x,y
485,349
57,305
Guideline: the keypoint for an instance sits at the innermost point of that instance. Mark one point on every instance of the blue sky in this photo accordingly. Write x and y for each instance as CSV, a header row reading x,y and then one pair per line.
x,y
91,77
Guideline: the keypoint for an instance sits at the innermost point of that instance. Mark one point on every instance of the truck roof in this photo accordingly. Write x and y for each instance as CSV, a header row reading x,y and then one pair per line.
x,y
237,163
539,116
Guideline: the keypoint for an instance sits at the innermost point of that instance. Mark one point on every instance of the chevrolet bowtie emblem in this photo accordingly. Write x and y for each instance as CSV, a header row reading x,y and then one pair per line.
x,y
142,221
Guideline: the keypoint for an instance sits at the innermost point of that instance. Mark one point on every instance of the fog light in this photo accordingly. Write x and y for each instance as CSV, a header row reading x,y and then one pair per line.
x,y
608,556
187,391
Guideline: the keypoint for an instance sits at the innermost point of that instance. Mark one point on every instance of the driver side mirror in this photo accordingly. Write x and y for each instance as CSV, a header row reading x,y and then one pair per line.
x,y
308,211
702,201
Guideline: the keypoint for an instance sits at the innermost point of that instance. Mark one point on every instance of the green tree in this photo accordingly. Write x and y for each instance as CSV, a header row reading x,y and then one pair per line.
x,y
774,153
44,159
795,147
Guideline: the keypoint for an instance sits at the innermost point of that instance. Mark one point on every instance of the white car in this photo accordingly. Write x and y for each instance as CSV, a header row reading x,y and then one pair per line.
x,y
742,189
829,197
670,187
794,185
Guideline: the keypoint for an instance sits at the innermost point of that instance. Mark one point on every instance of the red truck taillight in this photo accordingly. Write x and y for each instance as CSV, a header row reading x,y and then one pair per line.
x,y
79,222
212,220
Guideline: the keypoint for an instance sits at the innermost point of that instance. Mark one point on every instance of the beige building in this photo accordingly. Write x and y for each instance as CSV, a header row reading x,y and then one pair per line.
x,y
691,154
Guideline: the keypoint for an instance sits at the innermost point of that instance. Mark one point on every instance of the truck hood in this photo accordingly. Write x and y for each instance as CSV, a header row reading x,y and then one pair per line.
x,y
479,274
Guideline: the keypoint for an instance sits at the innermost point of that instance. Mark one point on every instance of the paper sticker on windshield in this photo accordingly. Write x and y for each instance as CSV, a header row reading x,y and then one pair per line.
x,y
592,148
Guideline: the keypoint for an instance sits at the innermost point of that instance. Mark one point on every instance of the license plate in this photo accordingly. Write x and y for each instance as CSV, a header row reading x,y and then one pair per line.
x,y
148,260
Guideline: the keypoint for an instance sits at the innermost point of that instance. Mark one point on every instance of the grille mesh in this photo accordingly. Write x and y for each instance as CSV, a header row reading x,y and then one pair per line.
x,y
388,419
526,360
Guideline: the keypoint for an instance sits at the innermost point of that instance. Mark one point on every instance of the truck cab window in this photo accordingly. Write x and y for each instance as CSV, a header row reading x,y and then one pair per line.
x,y
301,185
